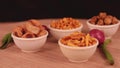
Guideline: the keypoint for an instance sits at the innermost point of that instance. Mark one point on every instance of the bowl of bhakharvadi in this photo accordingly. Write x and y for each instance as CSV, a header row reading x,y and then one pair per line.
x,y
107,23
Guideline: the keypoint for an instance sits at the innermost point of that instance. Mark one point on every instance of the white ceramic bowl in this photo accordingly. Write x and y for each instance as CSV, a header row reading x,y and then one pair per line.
x,y
109,30
57,33
30,44
78,54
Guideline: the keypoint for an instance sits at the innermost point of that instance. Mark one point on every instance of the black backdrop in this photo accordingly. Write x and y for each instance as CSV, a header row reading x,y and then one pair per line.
x,y
18,10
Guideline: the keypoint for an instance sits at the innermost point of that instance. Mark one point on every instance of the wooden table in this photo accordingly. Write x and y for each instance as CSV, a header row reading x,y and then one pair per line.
x,y
51,56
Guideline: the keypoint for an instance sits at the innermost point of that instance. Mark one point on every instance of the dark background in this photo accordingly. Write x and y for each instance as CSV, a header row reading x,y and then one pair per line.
x,y
19,10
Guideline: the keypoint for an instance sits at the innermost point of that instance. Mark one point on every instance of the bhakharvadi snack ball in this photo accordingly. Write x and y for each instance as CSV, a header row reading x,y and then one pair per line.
x,y
107,23
103,19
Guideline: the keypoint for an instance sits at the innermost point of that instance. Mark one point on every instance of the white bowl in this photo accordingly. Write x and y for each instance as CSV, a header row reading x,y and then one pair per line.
x,y
109,30
58,33
78,54
30,44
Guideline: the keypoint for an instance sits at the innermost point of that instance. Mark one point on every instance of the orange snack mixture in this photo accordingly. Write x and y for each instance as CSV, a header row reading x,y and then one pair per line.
x,y
103,19
30,29
65,24
78,39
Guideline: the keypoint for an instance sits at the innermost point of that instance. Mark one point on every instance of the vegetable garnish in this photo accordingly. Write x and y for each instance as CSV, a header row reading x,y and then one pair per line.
x,y
106,52
6,40
98,34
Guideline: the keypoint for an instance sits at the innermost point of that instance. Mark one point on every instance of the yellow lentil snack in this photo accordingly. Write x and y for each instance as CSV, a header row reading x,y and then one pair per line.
x,y
65,23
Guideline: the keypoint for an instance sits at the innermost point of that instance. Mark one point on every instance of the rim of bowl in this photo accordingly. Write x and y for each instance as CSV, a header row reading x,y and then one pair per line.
x,y
103,26
72,47
13,36
81,26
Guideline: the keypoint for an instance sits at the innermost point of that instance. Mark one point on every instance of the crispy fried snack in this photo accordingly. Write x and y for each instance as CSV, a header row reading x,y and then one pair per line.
x,y
42,32
29,35
18,31
31,29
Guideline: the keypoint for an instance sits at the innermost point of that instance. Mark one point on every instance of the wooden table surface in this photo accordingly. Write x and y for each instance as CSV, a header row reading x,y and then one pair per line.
x,y
51,56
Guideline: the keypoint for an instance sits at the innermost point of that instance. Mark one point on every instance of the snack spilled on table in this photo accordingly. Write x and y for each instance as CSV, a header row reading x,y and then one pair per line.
x,y
65,24
31,29
78,39
103,19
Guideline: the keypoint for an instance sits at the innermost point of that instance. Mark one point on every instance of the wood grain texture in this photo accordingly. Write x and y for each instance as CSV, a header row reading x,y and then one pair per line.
x,y
51,56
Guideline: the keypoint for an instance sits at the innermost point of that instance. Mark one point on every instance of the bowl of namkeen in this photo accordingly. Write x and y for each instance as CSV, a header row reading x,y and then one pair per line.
x,y
30,37
107,23
78,46
62,27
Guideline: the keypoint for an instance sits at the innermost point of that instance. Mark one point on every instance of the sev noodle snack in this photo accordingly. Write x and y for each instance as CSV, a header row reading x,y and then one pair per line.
x,y
78,39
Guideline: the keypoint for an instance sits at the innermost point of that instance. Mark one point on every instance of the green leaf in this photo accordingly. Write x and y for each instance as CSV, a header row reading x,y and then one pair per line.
x,y
106,52
6,40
